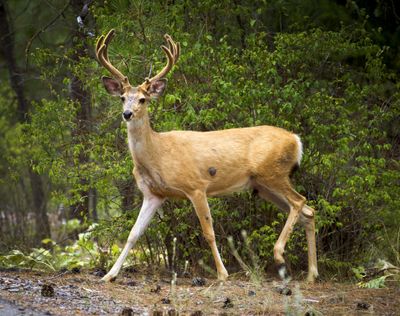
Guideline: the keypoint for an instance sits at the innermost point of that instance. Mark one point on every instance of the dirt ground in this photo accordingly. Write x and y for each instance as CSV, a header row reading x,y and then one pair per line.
x,y
30,293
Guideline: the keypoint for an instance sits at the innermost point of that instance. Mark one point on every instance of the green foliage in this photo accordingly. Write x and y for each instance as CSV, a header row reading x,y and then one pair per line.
x,y
242,65
375,276
376,283
330,87
83,253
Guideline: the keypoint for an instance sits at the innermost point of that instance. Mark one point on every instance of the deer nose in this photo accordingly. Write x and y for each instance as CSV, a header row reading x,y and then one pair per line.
x,y
127,114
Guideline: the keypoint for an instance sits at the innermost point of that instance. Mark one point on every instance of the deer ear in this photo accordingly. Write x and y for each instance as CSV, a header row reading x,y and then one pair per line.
x,y
112,86
157,88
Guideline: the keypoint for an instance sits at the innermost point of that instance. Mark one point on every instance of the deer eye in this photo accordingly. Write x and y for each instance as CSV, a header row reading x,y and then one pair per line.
x,y
142,100
123,99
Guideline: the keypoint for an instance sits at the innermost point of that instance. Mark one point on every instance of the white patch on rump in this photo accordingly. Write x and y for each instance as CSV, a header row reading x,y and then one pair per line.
x,y
299,149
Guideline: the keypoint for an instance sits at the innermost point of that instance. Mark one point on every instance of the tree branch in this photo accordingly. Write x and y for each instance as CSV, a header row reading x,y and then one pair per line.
x,y
28,46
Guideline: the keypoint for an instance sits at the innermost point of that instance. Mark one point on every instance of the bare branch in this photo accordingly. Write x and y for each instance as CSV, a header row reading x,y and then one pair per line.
x,y
28,46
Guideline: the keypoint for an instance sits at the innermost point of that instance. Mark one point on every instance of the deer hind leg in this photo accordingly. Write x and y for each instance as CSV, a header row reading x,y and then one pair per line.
x,y
200,203
287,199
308,220
149,208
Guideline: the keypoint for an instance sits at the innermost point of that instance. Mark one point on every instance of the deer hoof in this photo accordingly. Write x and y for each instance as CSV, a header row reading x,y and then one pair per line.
x,y
282,271
108,278
222,276
312,277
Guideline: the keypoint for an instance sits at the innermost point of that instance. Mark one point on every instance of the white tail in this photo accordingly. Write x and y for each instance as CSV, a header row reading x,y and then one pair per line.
x,y
299,149
194,165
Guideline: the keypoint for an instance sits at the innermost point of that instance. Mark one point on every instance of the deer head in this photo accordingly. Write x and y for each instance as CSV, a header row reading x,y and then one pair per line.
x,y
135,99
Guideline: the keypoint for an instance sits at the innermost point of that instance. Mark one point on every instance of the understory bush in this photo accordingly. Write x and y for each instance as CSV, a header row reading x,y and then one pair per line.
x,y
332,88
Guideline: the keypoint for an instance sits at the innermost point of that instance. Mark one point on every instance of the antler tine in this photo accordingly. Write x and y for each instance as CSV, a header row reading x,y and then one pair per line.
x,y
99,42
170,43
102,56
107,41
172,52
174,47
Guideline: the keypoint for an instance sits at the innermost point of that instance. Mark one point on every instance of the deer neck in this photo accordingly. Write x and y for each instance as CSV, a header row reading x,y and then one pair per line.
x,y
141,139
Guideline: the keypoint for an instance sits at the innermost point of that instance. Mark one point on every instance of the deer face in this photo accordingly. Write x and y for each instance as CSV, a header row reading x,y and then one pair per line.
x,y
134,100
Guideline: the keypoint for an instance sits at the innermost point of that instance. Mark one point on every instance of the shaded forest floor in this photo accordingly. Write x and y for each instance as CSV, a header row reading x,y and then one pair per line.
x,y
33,293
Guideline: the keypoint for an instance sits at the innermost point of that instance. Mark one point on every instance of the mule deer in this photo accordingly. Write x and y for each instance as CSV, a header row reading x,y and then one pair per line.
x,y
195,165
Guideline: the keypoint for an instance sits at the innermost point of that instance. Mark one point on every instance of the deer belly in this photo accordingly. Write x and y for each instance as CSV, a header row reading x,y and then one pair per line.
x,y
228,186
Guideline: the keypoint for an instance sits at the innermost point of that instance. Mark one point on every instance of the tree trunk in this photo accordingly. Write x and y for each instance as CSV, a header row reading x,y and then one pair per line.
x,y
82,96
17,84
39,203
7,50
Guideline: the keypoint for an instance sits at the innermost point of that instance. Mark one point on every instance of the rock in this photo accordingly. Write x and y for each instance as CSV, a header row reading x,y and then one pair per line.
x,y
363,306
227,303
284,290
251,293
198,281
47,290
156,290
131,283
76,270
127,311
99,273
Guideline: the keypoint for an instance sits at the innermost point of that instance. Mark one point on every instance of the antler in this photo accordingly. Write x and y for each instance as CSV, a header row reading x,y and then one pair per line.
x,y
102,56
172,51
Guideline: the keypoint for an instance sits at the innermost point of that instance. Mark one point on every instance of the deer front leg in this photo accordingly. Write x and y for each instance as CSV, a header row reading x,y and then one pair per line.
x,y
149,207
200,203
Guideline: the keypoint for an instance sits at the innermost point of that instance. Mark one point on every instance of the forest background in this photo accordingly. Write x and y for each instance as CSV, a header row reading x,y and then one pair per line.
x,y
326,70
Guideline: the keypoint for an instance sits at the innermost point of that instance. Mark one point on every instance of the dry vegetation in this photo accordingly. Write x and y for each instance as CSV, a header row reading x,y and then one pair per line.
x,y
139,294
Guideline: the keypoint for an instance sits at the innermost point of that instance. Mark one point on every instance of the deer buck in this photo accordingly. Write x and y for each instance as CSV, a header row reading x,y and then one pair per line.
x,y
195,165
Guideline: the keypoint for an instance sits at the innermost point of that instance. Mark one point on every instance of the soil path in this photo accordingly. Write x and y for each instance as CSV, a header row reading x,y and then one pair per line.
x,y
11,309
137,294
